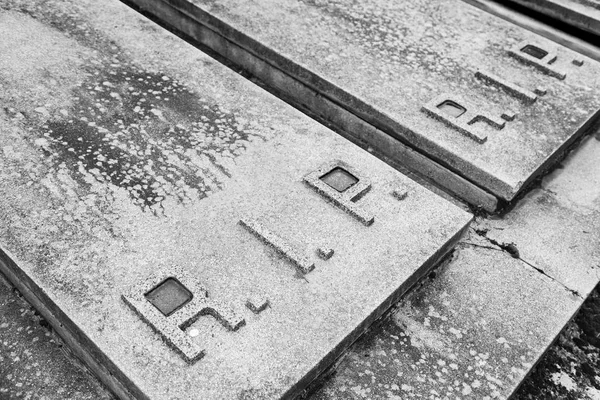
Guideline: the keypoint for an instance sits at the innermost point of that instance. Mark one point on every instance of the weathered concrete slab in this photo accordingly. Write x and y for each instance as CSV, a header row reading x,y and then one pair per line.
x,y
388,63
582,14
188,234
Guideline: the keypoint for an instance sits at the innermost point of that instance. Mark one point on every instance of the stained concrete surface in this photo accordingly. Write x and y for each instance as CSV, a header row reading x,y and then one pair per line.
x,y
128,151
385,60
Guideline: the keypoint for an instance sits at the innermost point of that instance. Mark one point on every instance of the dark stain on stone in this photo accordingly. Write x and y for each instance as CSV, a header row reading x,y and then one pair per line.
x,y
139,130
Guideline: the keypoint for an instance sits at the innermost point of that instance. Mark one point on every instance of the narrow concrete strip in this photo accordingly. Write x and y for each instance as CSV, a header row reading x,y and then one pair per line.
x,y
472,332
556,228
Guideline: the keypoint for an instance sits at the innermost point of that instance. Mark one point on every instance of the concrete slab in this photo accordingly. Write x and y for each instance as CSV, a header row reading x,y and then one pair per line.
x,y
164,214
582,14
482,320
386,62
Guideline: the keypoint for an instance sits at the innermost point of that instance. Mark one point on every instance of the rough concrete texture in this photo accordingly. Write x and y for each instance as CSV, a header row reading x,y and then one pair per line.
x,y
385,60
582,14
487,316
563,215
570,370
126,150
34,363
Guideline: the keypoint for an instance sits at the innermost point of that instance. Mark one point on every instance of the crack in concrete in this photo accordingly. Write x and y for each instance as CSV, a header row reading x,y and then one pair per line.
x,y
513,251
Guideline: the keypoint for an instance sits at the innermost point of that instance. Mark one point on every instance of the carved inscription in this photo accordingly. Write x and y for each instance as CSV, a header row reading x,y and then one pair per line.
x,y
400,194
458,113
257,303
340,184
170,301
524,95
282,246
325,253
532,54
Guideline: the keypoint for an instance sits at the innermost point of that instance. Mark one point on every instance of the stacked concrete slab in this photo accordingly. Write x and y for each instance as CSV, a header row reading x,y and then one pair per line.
x,y
480,111
191,236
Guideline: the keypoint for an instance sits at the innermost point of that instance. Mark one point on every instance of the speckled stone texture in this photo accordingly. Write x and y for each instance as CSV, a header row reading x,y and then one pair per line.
x,y
582,14
34,363
126,151
384,60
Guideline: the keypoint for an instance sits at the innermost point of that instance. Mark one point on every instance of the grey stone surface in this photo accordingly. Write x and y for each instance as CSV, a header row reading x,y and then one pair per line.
x,y
346,199
34,363
530,53
129,157
384,60
582,14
